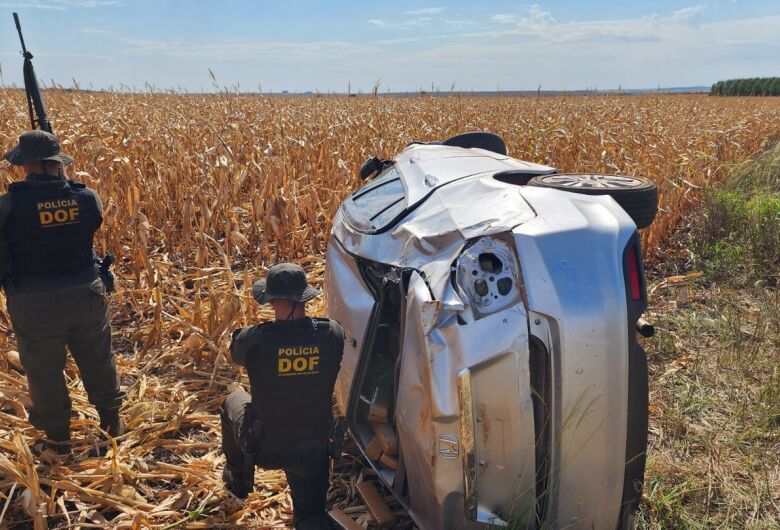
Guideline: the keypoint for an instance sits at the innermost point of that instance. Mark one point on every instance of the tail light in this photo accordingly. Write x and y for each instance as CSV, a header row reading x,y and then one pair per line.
x,y
633,268
637,390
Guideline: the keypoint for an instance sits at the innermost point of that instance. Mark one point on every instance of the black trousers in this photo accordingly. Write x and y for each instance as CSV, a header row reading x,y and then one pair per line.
x,y
45,323
305,464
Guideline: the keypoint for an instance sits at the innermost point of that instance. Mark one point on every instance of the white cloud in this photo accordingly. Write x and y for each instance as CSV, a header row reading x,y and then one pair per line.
x,y
95,31
64,55
80,56
412,23
419,18
242,49
688,13
426,11
537,17
418,22
541,25
670,50
503,18
750,43
458,23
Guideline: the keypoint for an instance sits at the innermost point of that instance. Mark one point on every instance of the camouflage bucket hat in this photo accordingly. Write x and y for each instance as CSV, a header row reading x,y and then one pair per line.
x,y
285,281
36,146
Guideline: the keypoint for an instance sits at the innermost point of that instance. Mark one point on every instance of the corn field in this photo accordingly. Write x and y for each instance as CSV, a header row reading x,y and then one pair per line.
x,y
203,192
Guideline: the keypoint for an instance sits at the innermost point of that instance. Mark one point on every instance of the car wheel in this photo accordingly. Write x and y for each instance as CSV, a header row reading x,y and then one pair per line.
x,y
481,140
636,195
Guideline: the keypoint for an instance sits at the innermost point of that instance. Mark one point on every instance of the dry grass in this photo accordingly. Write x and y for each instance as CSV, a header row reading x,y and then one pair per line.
x,y
715,413
202,192
715,385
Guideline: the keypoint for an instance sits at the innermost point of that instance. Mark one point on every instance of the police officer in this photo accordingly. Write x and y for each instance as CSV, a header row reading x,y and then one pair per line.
x,y
292,365
54,295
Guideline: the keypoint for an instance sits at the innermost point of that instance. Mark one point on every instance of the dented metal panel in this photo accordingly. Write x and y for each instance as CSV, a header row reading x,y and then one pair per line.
x,y
434,425
498,441
414,409
351,307
431,237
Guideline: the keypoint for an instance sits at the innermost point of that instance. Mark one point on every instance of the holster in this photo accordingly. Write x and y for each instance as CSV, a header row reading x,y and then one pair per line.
x,y
253,433
248,441
109,280
104,271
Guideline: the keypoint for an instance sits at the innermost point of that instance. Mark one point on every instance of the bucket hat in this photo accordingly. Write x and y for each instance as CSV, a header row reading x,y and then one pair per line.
x,y
36,146
285,281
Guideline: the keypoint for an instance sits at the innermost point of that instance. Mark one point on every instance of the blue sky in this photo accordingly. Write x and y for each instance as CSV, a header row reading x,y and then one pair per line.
x,y
310,45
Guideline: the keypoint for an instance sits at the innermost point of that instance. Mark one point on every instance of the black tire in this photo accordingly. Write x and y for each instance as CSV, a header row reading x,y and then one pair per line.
x,y
479,139
519,177
636,195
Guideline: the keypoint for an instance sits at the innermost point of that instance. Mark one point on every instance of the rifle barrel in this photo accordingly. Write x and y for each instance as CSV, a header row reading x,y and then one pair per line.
x,y
35,105
19,30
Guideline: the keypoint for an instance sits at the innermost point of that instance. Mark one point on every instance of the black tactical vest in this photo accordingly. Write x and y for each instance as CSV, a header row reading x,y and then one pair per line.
x,y
50,228
292,368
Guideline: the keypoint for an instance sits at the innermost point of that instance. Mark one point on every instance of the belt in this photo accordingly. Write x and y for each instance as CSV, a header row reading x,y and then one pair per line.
x,y
37,283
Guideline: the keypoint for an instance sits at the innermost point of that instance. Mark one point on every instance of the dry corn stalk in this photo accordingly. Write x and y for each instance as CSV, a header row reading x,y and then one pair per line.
x,y
202,193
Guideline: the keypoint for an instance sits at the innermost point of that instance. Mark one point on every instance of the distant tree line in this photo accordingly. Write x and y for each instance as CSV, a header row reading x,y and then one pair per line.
x,y
755,86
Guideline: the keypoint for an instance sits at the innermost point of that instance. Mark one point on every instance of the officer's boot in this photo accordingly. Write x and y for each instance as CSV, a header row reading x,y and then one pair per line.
x,y
57,440
235,482
111,422
239,479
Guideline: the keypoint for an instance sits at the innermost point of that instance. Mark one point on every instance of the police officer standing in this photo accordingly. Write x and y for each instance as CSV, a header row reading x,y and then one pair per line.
x,y
292,364
54,294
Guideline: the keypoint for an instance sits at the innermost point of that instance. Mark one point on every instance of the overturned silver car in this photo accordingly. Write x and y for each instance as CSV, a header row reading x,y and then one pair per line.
x,y
491,374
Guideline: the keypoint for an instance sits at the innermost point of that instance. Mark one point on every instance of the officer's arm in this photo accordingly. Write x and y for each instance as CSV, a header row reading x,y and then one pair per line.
x,y
5,255
238,346
339,337
99,204
5,249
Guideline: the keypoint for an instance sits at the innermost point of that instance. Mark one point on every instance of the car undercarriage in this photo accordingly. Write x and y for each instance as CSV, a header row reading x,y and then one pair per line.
x,y
491,375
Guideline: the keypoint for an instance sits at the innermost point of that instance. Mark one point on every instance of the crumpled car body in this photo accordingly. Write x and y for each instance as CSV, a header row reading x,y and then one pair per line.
x,y
491,374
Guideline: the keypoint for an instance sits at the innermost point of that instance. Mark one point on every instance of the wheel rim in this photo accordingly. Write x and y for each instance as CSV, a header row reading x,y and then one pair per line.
x,y
607,182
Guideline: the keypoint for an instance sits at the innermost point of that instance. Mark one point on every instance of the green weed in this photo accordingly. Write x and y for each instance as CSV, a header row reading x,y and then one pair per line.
x,y
715,368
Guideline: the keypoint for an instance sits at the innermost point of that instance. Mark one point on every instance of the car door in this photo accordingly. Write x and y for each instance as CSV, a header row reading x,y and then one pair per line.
x,y
414,405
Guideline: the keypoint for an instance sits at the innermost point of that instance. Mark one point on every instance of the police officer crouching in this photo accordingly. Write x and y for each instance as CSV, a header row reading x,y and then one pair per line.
x,y
54,294
292,364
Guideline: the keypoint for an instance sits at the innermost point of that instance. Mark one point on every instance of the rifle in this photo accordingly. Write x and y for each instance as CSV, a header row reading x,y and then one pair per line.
x,y
35,103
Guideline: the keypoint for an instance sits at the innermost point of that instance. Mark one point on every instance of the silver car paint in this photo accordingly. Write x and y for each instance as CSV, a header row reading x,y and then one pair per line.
x,y
574,277
431,236
347,297
570,250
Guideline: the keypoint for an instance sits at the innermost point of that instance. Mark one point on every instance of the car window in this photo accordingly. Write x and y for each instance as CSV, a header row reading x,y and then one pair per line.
x,y
378,203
